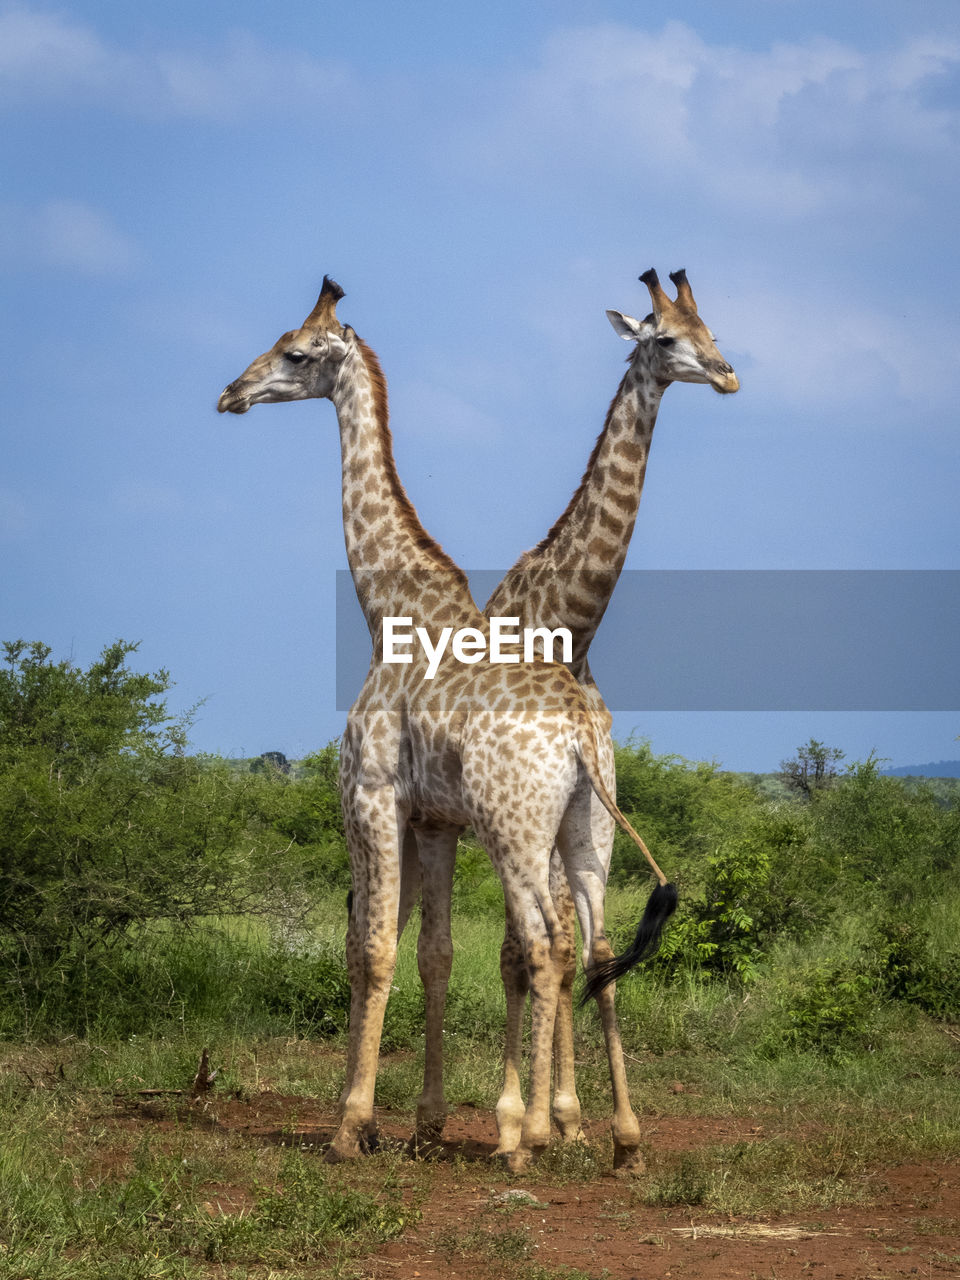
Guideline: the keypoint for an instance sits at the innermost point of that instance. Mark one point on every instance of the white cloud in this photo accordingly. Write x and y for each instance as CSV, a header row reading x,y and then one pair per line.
x,y
796,339
45,55
45,58
780,176
64,234
792,130
844,355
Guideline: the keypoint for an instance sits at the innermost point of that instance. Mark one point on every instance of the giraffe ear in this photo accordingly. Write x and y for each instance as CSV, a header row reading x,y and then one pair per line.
x,y
625,326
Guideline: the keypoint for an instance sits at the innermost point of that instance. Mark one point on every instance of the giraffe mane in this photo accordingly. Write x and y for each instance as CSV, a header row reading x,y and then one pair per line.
x,y
408,512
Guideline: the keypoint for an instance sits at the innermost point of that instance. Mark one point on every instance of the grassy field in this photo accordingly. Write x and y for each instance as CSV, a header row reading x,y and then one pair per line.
x,y
793,1049
99,1177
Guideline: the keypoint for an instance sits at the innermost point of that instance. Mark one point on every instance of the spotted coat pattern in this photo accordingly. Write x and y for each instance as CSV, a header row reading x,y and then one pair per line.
x,y
502,748
567,580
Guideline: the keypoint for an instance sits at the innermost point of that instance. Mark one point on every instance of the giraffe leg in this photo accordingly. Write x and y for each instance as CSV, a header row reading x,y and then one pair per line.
x,y
519,838
374,832
566,1104
409,878
516,983
524,873
409,892
585,840
626,1128
545,945
437,848
356,972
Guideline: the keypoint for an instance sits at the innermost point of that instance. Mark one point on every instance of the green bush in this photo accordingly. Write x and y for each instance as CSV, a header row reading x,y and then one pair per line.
x,y
683,809
129,872
754,869
881,840
724,931
308,987
106,823
911,971
303,811
829,1008
109,829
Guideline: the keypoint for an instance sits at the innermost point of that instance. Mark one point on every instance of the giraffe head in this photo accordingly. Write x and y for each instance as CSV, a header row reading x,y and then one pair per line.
x,y
302,365
673,342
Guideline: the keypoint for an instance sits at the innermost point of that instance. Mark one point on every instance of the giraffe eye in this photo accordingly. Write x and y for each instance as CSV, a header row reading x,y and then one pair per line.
x,y
295,357
665,342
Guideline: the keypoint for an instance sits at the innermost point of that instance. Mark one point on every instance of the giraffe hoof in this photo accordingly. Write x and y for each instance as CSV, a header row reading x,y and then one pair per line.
x,y
627,1161
338,1155
568,1136
425,1144
351,1146
508,1141
566,1116
520,1160
428,1126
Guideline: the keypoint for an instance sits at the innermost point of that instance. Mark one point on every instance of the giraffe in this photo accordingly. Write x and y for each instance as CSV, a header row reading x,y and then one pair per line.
x,y
567,580
510,749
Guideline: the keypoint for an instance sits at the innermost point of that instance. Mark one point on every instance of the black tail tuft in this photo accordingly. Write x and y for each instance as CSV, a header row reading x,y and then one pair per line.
x,y
660,907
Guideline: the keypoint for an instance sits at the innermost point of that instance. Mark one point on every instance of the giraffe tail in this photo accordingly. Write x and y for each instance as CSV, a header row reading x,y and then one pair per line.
x,y
660,905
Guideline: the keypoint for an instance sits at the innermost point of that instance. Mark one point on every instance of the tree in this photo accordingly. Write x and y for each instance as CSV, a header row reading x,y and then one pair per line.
x,y
274,760
105,822
813,768
76,718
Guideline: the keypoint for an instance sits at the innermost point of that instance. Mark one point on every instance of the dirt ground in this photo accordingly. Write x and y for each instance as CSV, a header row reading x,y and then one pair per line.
x,y
906,1222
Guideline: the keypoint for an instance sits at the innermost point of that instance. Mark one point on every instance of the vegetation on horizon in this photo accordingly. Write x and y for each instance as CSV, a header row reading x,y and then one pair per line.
x,y
124,858
152,902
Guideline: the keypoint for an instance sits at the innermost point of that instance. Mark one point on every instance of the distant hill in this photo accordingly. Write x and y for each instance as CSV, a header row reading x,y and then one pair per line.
x,y
937,769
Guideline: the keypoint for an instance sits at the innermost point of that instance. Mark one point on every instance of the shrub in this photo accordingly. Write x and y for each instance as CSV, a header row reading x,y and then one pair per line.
x,y
682,809
106,822
724,930
881,840
307,986
911,971
829,1008
108,826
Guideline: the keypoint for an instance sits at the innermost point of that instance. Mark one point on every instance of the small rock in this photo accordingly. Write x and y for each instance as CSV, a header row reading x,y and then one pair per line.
x,y
516,1196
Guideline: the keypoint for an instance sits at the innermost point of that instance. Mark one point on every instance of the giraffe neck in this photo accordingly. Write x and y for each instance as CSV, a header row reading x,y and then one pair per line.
x,y
568,578
398,569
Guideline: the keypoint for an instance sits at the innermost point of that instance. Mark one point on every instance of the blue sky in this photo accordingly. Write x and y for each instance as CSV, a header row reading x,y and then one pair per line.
x,y
484,184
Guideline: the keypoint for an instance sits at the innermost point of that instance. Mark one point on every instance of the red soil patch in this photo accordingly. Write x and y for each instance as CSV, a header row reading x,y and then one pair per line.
x,y
910,1229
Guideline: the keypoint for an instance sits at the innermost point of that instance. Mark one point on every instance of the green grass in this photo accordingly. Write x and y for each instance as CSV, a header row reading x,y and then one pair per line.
x,y
92,1187
761,1177
89,1187
83,1196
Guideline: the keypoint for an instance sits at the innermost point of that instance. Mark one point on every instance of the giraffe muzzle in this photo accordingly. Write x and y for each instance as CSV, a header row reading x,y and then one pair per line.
x,y
725,381
232,400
